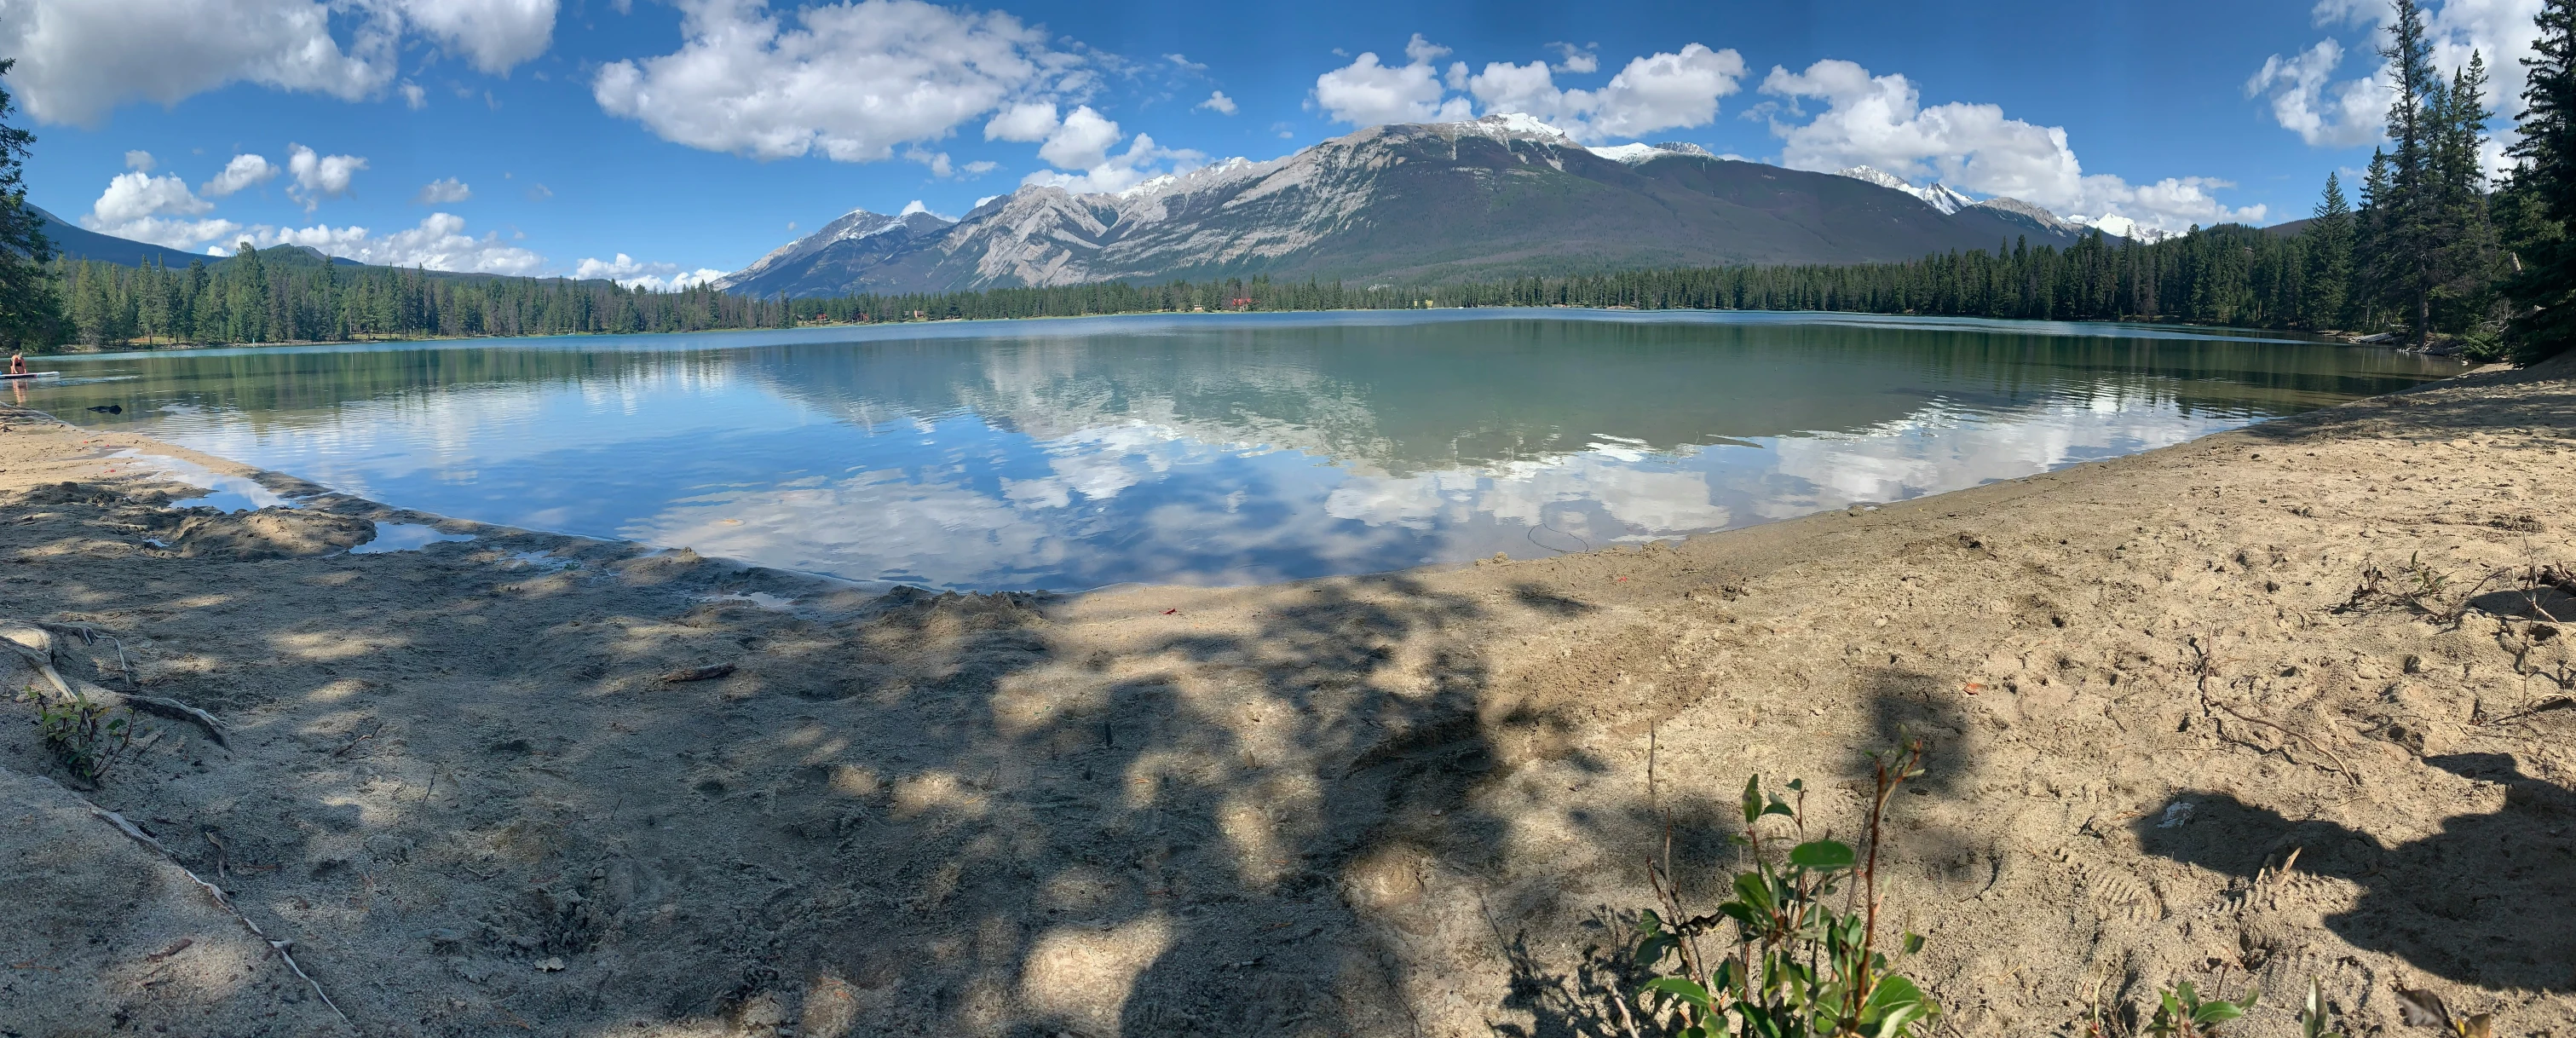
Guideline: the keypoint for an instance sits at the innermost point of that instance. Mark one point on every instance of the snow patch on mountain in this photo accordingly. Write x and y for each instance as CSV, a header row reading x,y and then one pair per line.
x,y
1509,125
2028,211
1943,197
2123,227
1634,154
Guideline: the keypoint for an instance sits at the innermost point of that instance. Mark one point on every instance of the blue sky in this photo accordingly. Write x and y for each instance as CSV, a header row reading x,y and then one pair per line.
x,y
556,136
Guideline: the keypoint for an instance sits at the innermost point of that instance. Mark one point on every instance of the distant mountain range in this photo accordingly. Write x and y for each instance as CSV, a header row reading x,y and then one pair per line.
x,y
1500,197
74,242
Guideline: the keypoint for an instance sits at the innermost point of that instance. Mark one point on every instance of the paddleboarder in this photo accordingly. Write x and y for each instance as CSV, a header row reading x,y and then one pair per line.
x,y
17,364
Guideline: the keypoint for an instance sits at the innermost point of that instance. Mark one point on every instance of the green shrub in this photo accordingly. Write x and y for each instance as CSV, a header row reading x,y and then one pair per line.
x,y
1791,966
82,735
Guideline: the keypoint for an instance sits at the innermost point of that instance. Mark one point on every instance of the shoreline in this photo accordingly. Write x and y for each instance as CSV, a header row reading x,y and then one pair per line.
x,y
536,780
2215,330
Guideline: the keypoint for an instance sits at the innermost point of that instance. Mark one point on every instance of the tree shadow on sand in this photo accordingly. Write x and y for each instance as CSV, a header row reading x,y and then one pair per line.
x,y
2485,901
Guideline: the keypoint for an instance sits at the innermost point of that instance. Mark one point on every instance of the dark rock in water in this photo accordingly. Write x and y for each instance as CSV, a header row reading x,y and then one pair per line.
x,y
110,409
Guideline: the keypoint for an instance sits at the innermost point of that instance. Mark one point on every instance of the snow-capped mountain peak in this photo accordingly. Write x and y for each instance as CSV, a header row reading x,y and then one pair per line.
x,y
1947,199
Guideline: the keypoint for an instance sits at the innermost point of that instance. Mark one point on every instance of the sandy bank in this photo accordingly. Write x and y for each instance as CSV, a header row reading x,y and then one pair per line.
x,y
460,782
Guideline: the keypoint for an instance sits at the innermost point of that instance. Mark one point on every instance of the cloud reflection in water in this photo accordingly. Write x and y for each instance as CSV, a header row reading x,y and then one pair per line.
x,y
1069,456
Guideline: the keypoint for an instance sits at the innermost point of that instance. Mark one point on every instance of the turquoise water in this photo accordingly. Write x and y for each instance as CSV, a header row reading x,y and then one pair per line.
x,y
1213,449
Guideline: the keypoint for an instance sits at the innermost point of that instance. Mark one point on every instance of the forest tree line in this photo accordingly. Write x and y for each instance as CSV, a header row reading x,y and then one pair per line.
x,y
2228,275
284,295
2432,248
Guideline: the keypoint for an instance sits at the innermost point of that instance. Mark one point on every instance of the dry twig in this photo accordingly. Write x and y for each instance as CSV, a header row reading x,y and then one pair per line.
x,y
216,892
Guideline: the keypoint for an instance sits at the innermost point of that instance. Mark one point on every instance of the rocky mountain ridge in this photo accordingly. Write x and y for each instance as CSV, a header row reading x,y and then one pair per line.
x,y
1499,197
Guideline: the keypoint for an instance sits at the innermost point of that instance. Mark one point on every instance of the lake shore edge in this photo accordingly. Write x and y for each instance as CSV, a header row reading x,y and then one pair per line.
x,y
586,786
2332,336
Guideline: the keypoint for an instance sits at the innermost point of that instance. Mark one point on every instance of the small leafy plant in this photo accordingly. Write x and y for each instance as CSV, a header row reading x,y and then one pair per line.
x,y
2183,1013
2312,1018
1797,968
82,734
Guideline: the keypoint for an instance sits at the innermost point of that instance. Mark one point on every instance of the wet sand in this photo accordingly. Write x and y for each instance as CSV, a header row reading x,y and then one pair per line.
x,y
535,784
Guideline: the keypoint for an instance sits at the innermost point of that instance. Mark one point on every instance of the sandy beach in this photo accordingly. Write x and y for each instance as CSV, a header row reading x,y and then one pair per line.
x,y
533,784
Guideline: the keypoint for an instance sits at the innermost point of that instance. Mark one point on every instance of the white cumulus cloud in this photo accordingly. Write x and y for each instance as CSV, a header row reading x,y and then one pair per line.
x,y
852,81
1028,122
79,59
628,272
319,176
1217,102
443,192
242,172
495,36
1367,93
1142,160
438,243
1880,121
2307,100
139,161
141,207
1660,91
1079,147
1081,141
944,167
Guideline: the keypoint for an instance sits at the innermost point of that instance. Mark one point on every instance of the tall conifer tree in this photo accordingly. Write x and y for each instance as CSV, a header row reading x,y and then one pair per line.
x,y
2400,194
2329,279
2545,289
31,310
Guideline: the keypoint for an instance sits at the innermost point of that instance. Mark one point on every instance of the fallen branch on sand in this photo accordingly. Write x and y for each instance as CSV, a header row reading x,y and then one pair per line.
x,y
2205,667
280,947
35,644
709,672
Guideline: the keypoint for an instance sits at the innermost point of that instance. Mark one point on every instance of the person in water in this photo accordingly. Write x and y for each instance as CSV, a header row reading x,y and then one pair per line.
x,y
17,364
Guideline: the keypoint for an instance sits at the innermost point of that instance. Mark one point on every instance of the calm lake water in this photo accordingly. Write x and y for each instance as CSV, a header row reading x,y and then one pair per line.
x,y
1211,449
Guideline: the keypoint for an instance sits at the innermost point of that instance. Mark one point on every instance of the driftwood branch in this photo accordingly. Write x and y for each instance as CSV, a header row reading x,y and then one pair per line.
x,y
34,643
155,846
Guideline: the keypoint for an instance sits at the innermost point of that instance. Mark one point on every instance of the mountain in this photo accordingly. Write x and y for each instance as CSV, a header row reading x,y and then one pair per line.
x,y
1499,197
843,251
2291,229
1939,196
2015,209
73,242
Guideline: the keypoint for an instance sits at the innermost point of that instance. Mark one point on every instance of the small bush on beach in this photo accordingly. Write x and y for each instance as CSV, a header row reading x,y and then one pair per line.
x,y
1783,961
2181,1012
82,734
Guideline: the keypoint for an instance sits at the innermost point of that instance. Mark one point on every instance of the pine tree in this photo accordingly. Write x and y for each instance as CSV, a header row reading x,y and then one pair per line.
x,y
2329,256
2545,289
2463,248
2402,233
31,310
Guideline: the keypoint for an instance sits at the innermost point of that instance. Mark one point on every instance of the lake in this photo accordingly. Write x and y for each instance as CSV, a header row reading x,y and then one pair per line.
x,y
1209,449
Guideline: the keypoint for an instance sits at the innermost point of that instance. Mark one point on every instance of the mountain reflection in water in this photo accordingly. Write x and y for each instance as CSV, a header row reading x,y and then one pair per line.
x,y
1210,450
